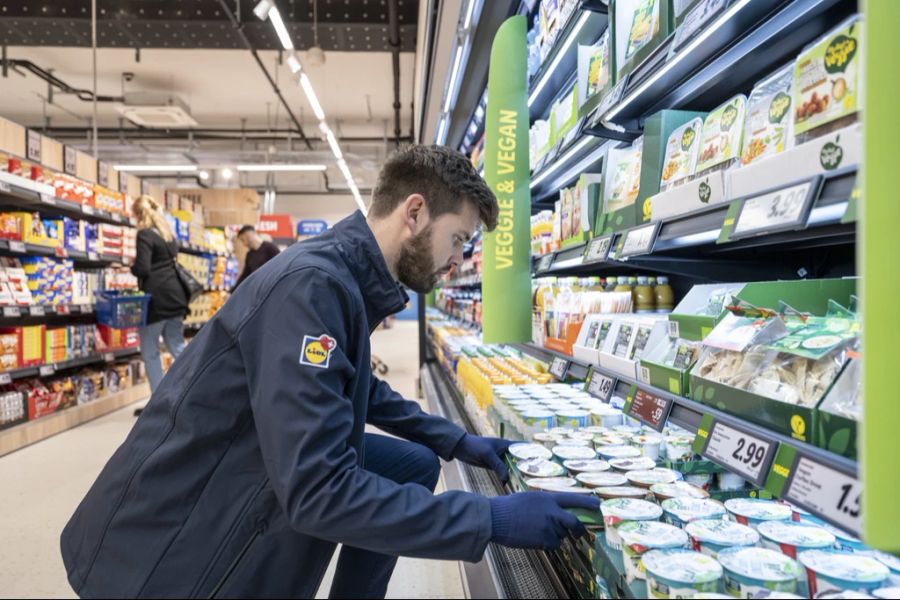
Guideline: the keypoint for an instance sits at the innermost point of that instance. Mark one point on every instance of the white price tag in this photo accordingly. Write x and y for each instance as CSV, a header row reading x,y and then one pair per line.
x,y
47,370
4,187
559,367
11,311
5,378
775,211
75,308
598,249
828,492
93,256
611,99
88,210
545,262
601,386
740,452
15,246
48,199
645,375
695,20
639,241
109,357
37,311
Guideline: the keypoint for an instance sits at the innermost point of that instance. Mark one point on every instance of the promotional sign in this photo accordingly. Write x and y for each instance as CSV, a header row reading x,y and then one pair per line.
x,y
277,226
506,282
311,227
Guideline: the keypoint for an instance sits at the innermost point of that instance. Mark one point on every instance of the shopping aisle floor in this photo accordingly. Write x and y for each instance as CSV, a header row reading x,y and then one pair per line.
x,y
42,485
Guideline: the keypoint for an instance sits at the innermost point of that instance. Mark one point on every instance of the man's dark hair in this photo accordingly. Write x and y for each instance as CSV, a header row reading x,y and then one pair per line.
x,y
444,177
245,229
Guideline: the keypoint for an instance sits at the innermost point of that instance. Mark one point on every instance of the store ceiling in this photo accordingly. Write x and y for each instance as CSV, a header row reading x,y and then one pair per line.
x,y
239,117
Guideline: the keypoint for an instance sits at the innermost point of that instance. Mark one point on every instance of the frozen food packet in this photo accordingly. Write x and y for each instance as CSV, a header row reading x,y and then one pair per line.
x,y
682,150
768,128
723,130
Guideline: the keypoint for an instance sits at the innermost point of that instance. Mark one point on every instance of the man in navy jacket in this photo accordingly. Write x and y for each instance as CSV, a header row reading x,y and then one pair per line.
x,y
250,462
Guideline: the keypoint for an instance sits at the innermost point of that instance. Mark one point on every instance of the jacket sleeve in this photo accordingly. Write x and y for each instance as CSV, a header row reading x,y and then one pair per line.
x,y
304,417
143,257
390,412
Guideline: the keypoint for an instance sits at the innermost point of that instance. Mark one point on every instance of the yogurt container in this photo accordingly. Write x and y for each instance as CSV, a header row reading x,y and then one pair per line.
x,y
620,510
609,439
678,489
649,477
596,430
572,452
573,418
891,562
679,447
711,536
887,592
529,451
680,573
751,571
607,416
701,480
627,430
681,511
539,418
540,467
547,440
640,537
843,540
641,463
730,482
611,452
649,444
620,491
601,479
582,435
753,511
831,570
586,466
575,442
777,595
711,596
550,483
789,537
845,594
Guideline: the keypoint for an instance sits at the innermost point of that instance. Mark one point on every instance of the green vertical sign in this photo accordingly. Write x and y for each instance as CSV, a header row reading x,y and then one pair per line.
x,y
506,277
879,214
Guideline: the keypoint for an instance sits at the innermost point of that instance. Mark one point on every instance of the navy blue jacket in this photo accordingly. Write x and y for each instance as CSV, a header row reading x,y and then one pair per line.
x,y
258,429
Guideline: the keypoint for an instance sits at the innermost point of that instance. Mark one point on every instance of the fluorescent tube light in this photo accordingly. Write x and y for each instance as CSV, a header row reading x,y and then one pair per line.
x,y
454,75
332,141
311,97
262,9
469,13
281,167
280,29
293,63
558,58
156,168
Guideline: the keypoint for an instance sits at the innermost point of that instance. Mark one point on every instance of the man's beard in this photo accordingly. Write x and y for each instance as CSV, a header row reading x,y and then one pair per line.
x,y
415,267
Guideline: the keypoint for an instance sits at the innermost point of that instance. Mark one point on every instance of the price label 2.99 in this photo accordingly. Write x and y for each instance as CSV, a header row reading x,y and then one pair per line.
x,y
739,451
831,494
559,367
600,385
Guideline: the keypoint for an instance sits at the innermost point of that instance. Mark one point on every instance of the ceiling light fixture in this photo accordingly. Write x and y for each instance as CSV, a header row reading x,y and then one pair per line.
x,y
156,168
281,167
311,96
332,141
454,75
280,29
204,175
262,9
227,173
293,63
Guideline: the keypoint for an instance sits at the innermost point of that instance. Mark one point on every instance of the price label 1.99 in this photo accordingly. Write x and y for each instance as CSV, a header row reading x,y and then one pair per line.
x,y
739,451
648,408
559,367
598,249
832,494
600,386
779,210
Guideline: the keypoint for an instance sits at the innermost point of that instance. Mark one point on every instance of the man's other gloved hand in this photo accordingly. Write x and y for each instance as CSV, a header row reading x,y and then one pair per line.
x,y
537,519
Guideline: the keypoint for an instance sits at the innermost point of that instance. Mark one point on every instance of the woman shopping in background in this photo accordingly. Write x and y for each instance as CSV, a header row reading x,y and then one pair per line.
x,y
154,267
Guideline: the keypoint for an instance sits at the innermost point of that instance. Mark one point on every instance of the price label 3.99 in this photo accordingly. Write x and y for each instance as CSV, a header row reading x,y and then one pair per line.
x,y
827,492
740,452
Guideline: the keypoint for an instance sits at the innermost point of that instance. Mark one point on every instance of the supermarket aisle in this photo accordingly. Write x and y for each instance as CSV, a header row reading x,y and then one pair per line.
x,y
43,483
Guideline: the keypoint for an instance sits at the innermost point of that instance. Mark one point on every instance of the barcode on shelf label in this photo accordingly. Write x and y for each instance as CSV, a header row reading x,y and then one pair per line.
x,y
88,210
15,246
740,452
645,375
37,311
11,311
674,329
829,493
559,367
600,385
47,370
48,199
109,357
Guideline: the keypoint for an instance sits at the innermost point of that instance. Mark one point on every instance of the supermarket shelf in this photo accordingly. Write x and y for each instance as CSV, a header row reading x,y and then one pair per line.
x,y
467,281
48,369
600,6
14,248
582,28
23,198
195,249
743,44
18,312
562,166
18,437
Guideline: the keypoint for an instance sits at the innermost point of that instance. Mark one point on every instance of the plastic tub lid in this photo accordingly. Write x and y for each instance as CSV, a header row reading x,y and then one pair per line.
x,y
678,489
800,535
652,534
754,508
641,463
619,451
601,479
683,566
550,483
620,491
761,564
541,467
630,509
594,465
692,509
648,477
572,452
847,566
529,451
722,533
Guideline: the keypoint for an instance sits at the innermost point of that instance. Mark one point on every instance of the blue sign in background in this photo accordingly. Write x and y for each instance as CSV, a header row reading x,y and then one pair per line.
x,y
311,227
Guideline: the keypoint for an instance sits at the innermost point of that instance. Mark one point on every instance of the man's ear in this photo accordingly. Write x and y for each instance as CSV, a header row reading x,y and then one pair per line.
x,y
415,213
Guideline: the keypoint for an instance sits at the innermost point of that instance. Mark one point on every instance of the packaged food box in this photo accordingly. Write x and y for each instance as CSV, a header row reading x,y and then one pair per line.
x,y
828,86
723,131
623,178
682,151
644,26
599,66
769,123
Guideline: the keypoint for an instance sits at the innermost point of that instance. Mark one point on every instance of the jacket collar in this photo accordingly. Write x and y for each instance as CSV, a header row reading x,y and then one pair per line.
x,y
381,294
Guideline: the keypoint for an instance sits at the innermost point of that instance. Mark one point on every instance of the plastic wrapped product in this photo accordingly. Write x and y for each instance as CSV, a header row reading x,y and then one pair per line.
x,y
769,123
682,151
723,130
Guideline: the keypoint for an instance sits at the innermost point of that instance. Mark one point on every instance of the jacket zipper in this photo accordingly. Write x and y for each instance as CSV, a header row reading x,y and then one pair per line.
x,y
235,563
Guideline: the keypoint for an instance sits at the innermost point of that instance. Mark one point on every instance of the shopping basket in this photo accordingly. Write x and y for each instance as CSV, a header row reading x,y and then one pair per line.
x,y
121,310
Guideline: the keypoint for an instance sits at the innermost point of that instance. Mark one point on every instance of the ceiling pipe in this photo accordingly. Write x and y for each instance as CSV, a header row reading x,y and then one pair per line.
x,y
394,42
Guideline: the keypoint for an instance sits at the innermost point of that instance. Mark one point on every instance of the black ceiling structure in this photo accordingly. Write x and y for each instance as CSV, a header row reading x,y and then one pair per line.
x,y
343,25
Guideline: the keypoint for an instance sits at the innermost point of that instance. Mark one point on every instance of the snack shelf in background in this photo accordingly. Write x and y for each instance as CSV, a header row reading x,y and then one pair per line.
x,y
46,370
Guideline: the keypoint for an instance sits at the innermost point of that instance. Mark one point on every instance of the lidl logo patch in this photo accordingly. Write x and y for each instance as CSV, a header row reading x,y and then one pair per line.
x,y
316,351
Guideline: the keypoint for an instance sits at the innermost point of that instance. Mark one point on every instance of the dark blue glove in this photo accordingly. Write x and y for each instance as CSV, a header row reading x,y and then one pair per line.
x,y
537,519
485,452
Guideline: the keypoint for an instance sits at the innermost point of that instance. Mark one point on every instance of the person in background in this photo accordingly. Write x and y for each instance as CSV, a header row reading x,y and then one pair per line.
x,y
154,267
259,251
